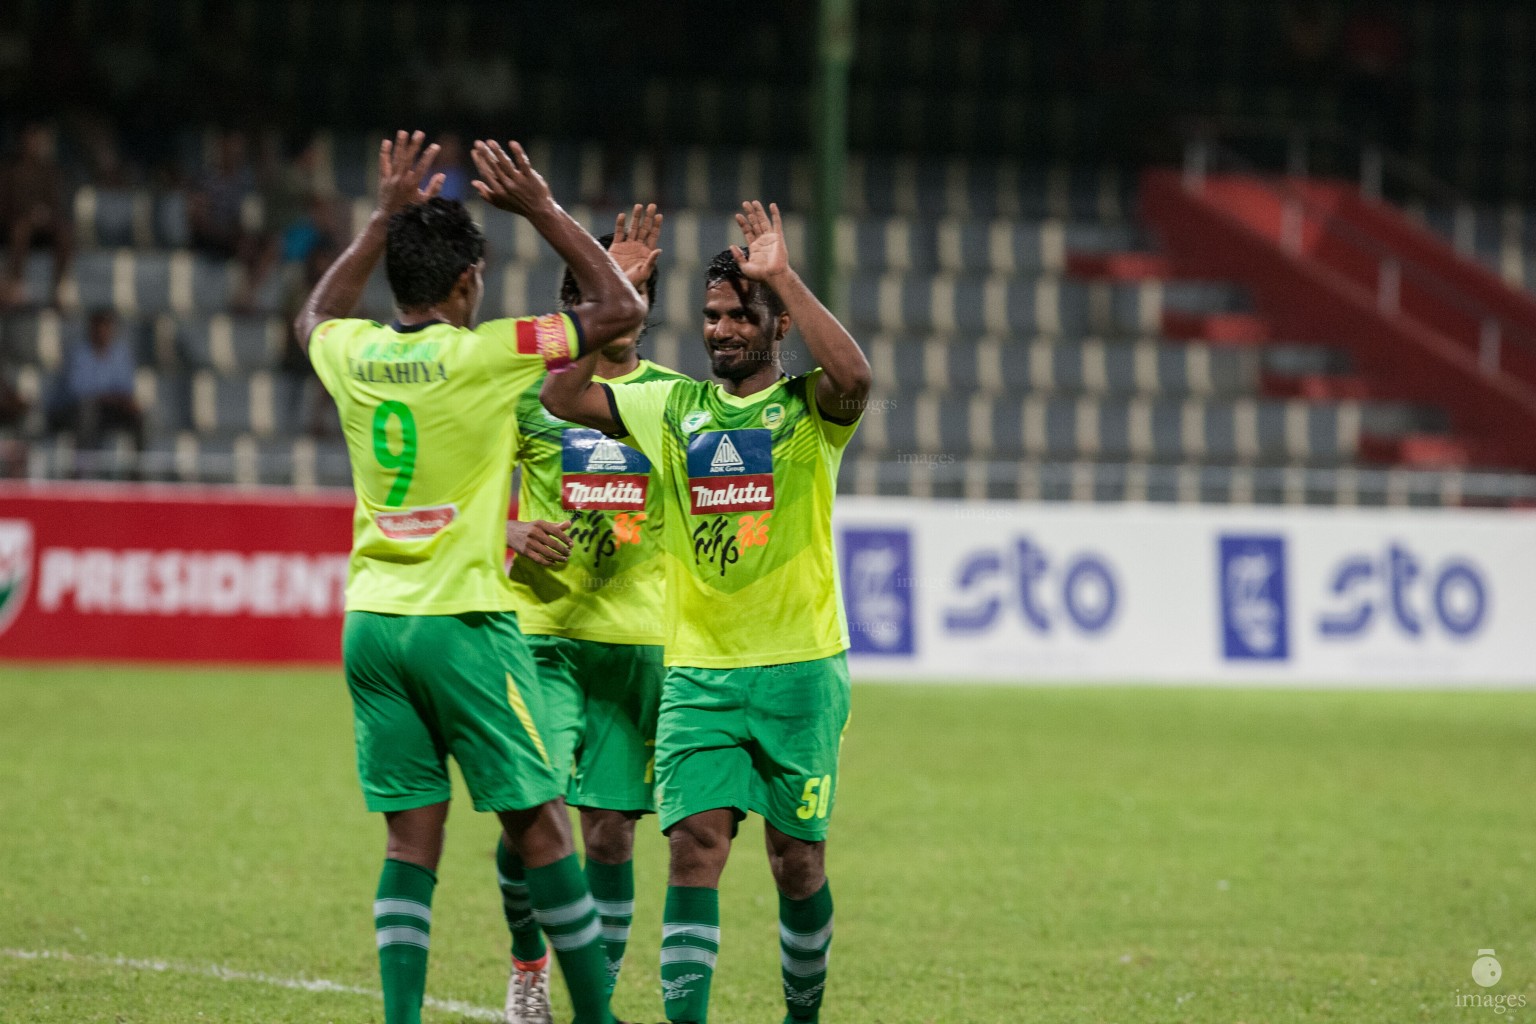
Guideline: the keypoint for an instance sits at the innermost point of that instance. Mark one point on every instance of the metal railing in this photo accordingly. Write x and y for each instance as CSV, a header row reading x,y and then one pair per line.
x,y
1382,174
1192,483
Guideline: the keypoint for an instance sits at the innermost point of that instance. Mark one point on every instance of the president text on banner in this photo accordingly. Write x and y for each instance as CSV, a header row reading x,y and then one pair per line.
x,y
167,574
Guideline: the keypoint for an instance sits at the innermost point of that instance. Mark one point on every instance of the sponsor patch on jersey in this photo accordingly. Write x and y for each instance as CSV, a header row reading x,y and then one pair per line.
x,y
416,523
696,420
599,472
730,471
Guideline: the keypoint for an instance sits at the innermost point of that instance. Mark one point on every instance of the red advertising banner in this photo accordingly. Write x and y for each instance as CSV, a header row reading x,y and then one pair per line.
x,y
172,574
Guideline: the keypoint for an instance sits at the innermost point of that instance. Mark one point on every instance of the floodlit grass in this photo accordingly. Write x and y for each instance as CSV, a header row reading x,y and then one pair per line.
x,y
1041,854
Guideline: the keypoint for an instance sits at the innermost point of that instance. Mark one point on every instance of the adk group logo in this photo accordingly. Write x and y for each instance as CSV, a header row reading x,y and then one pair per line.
x,y
15,568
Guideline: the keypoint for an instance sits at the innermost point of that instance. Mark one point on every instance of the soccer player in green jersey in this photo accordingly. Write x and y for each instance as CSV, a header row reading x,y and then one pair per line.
x,y
756,693
434,659
588,581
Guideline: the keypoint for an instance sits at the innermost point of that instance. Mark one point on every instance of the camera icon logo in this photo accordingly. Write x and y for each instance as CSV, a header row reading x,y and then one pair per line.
x,y
1485,969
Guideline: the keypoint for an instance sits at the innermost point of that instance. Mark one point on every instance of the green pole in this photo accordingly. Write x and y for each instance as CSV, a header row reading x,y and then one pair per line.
x,y
834,39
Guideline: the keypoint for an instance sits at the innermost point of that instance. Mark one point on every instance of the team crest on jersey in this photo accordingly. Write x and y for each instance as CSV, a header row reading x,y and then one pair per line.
x,y
15,568
696,420
773,415
730,471
599,472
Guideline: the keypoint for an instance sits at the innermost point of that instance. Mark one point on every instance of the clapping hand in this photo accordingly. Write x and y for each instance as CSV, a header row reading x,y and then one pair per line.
x,y
764,232
402,164
507,180
634,243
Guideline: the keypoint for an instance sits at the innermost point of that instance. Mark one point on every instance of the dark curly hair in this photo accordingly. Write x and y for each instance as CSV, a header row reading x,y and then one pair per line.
x,y
725,268
570,291
429,245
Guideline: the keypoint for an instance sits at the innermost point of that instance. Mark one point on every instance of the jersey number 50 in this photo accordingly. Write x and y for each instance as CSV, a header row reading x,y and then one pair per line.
x,y
403,462
815,804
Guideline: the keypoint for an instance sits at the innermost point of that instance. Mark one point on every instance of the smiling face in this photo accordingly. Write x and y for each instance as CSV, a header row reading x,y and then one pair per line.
x,y
740,334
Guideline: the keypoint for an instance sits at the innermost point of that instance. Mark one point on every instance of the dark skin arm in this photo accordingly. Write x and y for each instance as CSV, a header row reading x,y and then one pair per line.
x,y
544,542
402,165
610,307
571,394
845,378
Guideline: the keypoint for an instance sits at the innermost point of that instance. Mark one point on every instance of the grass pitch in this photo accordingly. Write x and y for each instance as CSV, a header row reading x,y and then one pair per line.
x,y
190,845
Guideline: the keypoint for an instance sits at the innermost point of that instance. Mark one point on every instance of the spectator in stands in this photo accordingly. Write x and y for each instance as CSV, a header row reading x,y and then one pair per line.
x,y
216,215
315,410
293,183
450,164
13,414
1308,32
94,395
34,212
1375,68
13,408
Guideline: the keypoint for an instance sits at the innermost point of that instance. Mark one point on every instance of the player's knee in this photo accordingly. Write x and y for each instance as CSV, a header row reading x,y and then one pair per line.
x,y
699,847
609,836
539,835
416,835
799,869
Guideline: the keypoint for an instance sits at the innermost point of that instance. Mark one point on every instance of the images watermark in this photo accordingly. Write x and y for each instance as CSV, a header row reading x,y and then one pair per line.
x,y
1488,972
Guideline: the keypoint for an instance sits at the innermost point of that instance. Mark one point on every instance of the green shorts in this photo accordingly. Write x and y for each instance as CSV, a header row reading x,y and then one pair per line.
x,y
601,701
425,686
764,739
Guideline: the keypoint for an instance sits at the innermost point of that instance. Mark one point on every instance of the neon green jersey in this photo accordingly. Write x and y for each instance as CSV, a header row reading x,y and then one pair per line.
x,y
428,417
611,588
750,572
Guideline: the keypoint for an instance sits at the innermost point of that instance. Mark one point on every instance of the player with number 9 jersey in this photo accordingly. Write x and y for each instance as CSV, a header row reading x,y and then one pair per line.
x,y
428,411
434,660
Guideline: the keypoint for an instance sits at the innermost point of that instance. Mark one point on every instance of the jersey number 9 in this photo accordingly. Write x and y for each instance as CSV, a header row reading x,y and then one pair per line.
x,y
403,462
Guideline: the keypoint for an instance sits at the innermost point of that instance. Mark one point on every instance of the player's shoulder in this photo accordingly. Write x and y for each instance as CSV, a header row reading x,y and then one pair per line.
x,y
339,328
655,371
802,385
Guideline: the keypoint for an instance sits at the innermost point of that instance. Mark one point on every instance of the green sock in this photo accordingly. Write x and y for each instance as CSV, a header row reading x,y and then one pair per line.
x,y
805,935
690,941
402,921
527,940
564,908
613,890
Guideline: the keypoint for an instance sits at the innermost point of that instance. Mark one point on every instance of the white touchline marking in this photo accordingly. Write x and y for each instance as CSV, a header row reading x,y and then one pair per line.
x,y
230,974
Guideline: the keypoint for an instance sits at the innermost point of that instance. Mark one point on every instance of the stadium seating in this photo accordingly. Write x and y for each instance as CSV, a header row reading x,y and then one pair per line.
x,y
1003,366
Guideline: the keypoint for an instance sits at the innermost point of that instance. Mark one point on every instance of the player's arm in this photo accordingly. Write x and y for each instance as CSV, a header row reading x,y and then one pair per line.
x,y
610,307
402,165
571,394
845,377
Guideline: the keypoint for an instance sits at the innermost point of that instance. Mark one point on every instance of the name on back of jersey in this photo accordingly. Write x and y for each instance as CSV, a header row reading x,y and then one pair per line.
x,y
730,471
601,473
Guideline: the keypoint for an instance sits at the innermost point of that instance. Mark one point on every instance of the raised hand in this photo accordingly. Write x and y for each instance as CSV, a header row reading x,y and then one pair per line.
x,y
634,243
507,180
402,165
764,232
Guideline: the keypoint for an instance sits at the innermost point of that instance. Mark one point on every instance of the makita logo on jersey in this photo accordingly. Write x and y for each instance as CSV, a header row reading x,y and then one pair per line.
x,y
730,471
599,472
597,490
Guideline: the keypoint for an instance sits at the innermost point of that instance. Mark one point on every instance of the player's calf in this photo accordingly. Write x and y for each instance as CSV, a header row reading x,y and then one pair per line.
x,y
562,904
609,840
